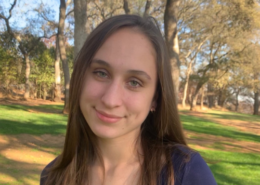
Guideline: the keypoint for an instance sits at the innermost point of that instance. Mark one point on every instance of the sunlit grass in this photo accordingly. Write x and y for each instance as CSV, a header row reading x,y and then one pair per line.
x,y
229,168
234,116
233,168
204,126
17,119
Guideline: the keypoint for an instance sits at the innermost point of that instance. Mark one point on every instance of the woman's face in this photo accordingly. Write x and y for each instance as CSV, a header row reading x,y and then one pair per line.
x,y
120,84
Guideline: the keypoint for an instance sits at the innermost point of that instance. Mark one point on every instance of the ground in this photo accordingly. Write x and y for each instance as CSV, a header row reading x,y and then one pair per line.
x,y
30,153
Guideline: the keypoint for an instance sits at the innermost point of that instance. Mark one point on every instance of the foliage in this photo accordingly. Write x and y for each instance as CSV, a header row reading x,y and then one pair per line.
x,y
8,66
218,37
43,70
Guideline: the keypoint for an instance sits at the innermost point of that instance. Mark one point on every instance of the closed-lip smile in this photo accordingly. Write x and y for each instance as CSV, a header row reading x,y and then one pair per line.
x,y
109,118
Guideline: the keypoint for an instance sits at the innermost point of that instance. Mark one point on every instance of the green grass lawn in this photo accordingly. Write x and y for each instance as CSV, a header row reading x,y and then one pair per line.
x,y
16,119
233,168
229,168
205,126
234,116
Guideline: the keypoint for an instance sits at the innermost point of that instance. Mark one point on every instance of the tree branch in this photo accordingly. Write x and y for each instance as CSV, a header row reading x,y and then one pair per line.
x,y
69,13
147,7
68,3
10,10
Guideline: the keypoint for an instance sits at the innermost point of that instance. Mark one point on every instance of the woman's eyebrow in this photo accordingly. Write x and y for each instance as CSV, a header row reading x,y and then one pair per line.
x,y
101,62
137,72
132,71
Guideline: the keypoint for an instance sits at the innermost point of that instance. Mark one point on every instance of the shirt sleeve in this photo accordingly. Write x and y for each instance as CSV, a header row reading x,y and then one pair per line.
x,y
44,172
197,172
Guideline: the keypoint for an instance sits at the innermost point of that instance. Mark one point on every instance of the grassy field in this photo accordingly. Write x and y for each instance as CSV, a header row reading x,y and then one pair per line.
x,y
31,136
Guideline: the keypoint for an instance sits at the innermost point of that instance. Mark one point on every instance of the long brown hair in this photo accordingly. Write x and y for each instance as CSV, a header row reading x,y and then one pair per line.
x,y
161,131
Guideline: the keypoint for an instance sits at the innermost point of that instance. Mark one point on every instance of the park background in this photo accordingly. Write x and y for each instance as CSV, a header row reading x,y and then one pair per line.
x,y
214,50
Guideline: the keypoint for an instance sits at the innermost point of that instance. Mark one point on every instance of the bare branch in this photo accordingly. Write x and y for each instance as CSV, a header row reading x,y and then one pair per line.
x,y
126,7
147,7
101,11
53,23
10,10
6,19
68,3
69,13
113,11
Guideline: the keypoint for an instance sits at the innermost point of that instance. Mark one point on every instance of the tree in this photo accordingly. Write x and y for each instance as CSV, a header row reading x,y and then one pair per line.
x,y
43,71
63,56
223,25
27,43
126,7
46,13
147,7
171,37
81,30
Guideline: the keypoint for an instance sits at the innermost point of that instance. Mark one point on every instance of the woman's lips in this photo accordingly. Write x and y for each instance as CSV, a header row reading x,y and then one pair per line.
x,y
108,118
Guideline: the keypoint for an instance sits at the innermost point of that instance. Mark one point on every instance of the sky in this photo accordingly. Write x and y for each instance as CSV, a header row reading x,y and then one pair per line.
x,y
24,9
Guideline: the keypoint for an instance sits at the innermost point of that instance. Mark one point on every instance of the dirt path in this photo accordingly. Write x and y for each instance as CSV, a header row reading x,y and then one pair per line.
x,y
244,126
24,156
29,102
206,141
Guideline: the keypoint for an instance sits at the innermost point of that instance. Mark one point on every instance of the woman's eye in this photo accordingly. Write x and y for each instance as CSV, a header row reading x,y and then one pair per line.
x,y
134,83
100,74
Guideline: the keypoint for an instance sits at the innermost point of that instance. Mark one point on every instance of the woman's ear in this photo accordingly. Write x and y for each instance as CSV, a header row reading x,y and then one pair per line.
x,y
154,102
153,106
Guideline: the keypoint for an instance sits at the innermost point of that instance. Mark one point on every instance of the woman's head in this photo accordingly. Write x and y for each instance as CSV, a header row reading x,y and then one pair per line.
x,y
162,98
120,84
121,73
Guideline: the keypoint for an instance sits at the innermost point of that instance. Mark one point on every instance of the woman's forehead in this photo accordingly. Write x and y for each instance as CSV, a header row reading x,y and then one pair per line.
x,y
128,49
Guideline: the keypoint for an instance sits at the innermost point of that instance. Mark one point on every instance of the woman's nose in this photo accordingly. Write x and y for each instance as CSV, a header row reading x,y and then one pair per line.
x,y
112,96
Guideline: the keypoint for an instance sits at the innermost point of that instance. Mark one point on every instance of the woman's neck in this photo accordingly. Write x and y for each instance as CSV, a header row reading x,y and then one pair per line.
x,y
120,151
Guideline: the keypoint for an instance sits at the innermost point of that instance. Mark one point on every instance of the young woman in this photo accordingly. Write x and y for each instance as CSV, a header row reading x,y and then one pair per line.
x,y
123,126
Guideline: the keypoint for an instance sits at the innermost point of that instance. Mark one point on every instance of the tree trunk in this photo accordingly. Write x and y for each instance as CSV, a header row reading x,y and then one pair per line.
x,y
194,96
220,98
126,7
202,98
237,102
186,84
35,89
19,68
256,103
40,92
210,96
80,29
147,8
44,91
63,54
194,100
171,37
27,76
57,91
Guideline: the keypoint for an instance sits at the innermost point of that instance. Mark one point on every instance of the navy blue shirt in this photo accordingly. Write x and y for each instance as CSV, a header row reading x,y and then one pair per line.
x,y
195,171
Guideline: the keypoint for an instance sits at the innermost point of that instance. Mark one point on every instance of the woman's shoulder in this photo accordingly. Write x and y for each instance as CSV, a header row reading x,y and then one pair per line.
x,y
190,167
45,171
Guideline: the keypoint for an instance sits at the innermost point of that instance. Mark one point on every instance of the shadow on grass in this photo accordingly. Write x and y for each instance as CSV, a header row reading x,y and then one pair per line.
x,y
19,173
235,116
224,178
40,109
200,125
17,127
233,168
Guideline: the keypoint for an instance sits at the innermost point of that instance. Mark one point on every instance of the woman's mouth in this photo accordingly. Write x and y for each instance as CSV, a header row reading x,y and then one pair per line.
x,y
108,118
